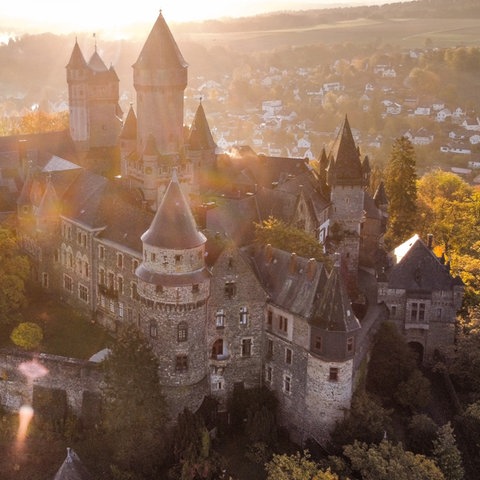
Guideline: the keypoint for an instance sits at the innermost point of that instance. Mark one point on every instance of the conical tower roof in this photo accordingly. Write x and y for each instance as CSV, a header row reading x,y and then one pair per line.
x,y
334,312
129,130
160,49
173,226
96,63
380,196
345,166
77,60
72,468
200,135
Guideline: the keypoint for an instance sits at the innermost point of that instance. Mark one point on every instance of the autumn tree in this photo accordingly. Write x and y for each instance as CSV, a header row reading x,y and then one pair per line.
x,y
27,335
389,461
14,271
134,414
401,190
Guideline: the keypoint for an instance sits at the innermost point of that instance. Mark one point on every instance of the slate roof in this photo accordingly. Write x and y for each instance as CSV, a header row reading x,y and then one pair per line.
x,y
420,270
293,288
72,468
380,195
334,312
160,51
200,137
96,63
129,130
77,60
173,226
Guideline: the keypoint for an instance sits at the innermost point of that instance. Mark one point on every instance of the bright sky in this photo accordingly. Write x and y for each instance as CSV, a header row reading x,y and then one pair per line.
x,y
66,16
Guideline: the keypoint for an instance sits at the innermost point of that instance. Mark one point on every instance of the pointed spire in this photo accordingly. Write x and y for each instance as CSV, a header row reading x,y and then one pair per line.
x,y
160,49
72,468
173,226
96,63
129,130
347,168
77,60
334,312
24,197
200,135
380,196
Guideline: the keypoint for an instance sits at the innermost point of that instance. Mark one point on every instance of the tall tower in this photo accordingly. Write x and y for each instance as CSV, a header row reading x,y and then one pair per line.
x,y
160,78
174,285
346,181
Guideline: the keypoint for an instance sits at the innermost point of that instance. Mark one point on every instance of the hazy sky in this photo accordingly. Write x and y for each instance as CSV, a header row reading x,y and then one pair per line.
x,y
64,16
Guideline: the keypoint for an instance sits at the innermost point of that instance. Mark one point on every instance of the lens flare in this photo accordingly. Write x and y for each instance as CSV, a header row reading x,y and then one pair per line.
x,y
25,416
33,369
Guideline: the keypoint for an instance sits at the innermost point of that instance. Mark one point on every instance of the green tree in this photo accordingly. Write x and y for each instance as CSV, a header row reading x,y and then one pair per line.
x,y
401,190
446,453
388,461
414,392
296,467
14,271
134,418
27,335
422,430
288,238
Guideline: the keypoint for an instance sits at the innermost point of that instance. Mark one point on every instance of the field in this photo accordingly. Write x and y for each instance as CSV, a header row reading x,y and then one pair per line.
x,y
406,33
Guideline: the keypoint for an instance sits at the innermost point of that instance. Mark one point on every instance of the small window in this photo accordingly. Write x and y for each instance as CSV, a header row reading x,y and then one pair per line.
x,y
393,311
134,265
283,324
181,363
230,289
45,280
182,332
246,347
318,343
287,384
83,293
68,283
288,356
153,257
121,309
217,349
119,260
220,318
333,374
195,288
243,315
120,284
158,289
153,330
269,348
269,319
268,374
178,259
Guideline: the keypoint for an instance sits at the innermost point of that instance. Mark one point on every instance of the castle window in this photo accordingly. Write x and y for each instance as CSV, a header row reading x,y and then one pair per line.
x,y
70,259
283,324
333,374
269,348
83,293
230,289
86,269
182,332
79,238
178,259
350,344
45,280
220,318
217,349
269,319
417,313
219,385
288,356
268,374
318,343
111,306
243,315
181,363
195,288
68,283
101,252
393,311
120,309
246,347
119,260
158,289
153,257
287,384
101,276
134,265
120,284
153,329
111,279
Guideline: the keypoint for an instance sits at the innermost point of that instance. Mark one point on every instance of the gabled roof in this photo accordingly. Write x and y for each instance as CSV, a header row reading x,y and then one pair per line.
x,y
420,270
200,137
344,166
293,283
160,50
334,312
173,226
72,468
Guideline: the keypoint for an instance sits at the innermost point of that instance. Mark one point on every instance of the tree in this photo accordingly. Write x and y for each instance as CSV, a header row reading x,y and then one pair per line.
x,y
27,335
401,190
14,271
296,467
288,238
414,392
388,461
134,418
422,430
446,453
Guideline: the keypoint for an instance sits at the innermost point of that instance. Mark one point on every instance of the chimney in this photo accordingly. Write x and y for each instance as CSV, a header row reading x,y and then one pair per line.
x,y
311,269
293,263
430,241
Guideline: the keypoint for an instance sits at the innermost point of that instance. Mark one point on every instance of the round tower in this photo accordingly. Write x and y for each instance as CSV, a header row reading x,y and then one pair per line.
x,y
174,285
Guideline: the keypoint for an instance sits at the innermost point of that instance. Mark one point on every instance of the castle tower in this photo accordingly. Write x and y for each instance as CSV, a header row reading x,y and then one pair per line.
x,y
160,78
346,180
174,285
201,148
93,95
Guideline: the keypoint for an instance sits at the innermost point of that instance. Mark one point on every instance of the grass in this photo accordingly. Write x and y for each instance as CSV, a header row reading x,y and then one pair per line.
x,y
66,330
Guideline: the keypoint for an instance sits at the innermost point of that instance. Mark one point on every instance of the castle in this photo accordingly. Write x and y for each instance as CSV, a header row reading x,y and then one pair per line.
x,y
219,311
